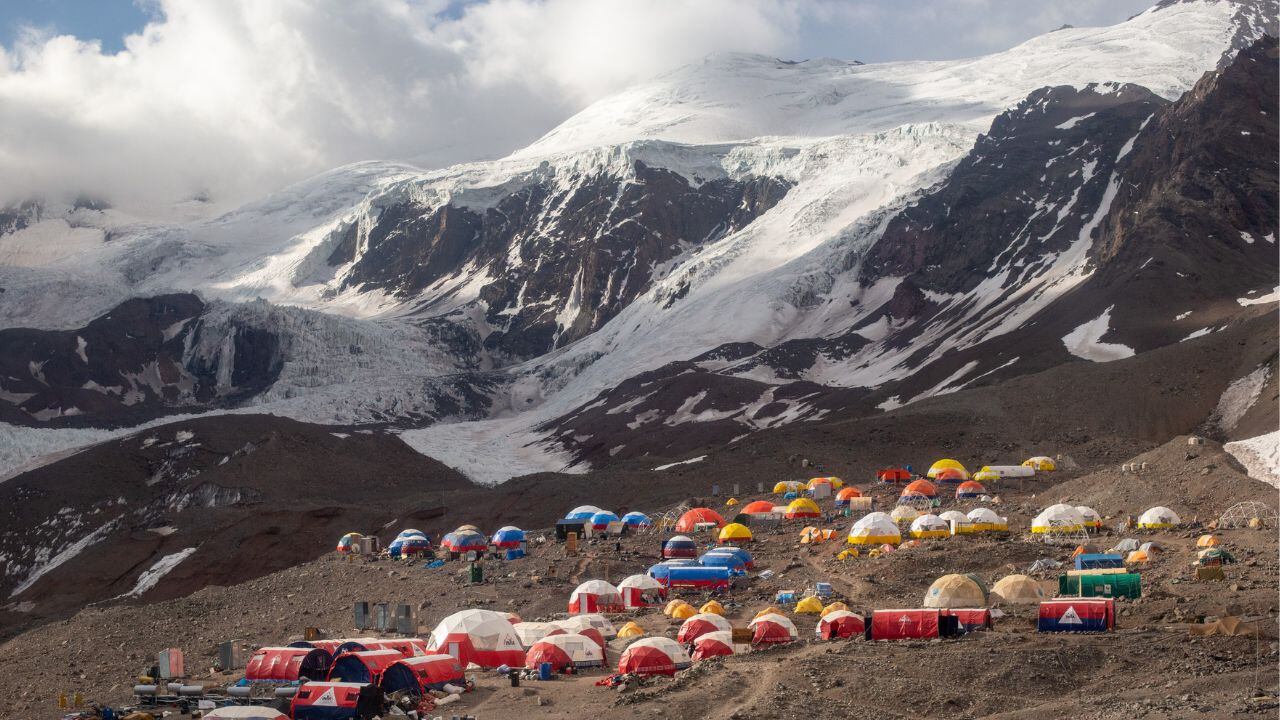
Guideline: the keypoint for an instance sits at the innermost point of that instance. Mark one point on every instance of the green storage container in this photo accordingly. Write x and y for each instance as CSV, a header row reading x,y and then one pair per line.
x,y
1126,585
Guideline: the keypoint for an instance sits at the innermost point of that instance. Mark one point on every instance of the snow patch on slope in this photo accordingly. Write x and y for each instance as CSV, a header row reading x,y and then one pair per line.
x,y
1239,396
1260,456
153,574
1086,341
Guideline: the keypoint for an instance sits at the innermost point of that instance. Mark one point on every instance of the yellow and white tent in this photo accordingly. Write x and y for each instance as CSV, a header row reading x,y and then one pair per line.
x,y
875,528
785,486
837,605
955,591
1041,463
930,526
947,464
1091,517
904,514
1017,589
1060,518
1159,518
986,520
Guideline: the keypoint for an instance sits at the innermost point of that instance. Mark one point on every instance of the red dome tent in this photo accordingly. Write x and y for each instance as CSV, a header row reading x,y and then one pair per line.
x,y
699,625
715,644
839,624
419,674
951,476
758,507
595,596
893,475
920,488
653,656
772,629
363,667
564,651
483,637
689,521
287,664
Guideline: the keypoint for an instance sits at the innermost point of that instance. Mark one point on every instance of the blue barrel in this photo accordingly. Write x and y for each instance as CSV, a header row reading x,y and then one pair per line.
x,y
544,671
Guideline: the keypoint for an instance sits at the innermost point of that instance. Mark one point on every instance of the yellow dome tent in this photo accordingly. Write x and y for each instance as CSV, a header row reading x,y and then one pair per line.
x,y
1041,463
986,475
684,612
735,533
875,528
630,630
771,610
809,606
1206,541
671,606
1017,590
955,591
837,605
713,607
847,553
731,502
803,508
785,486
947,464
835,482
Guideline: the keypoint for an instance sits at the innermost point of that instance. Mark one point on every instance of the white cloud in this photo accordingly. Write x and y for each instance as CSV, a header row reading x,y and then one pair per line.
x,y
238,97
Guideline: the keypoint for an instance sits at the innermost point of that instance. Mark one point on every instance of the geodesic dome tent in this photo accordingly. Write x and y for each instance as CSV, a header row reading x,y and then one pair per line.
x,y
839,624
564,651
699,625
1060,517
772,629
929,526
595,596
875,528
1092,520
904,514
1159,518
641,591
636,520
508,536
955,591
691,519
1017,589
582,512
947,464
713,644
483,637
531,632
969,490
986,520
654,656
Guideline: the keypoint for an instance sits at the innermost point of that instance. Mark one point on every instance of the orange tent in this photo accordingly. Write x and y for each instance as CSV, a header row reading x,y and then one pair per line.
x,y
848,493
951,475
757,507
692,518
893,474
920,487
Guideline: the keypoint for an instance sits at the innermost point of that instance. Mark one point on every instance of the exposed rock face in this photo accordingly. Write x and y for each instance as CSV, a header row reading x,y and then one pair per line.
x,y
146,357
558,257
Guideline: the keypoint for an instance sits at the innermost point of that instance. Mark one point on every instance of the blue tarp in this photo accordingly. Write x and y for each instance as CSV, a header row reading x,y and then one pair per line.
x,y
1094,561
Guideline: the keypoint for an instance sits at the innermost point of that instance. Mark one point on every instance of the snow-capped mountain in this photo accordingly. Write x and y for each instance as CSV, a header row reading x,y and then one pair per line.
x,y
805,237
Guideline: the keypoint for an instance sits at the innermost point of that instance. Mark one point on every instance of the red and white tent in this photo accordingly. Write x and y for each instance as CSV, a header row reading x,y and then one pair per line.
x,y
568,650
416,675
408,647
531,632
905,624
595,596
588,621
772,629
287,664
640,591
840,624
701,624
483,637
654,656
714,644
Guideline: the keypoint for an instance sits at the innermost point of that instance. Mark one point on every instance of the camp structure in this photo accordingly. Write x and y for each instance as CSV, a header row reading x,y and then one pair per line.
x,y
630,630
846,494
988,473
771,610
1159,518
809,606
462,541
1058,518
1104,585
679,546
636,520
700,625
904,514
812,535
660,570
1097,561
907,624
508,536
244,712
1092,520
1016,590
699,517
408,647
483,637
893,475
531,632
986,520
837,605
772,629
348,543
788,486
1208,541
640,591
362,667
582,512
696,577
1040,463
416,675
734,534
970,619
600,521
672,605
802,508
588,622
955,591
929,526
951,476
653,656
565,651
918,490
287,664
834,482
564,528
684,612
712,606
946,464
325,701
734,563
970,490
875,528
758,507
409,542
839,624
713,644
1077,615
595,596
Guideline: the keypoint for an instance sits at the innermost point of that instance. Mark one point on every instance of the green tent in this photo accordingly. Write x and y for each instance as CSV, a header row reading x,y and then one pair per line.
x,y
1127,585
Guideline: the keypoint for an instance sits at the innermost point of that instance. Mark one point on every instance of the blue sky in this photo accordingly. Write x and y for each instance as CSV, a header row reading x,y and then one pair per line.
x,y
105,20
